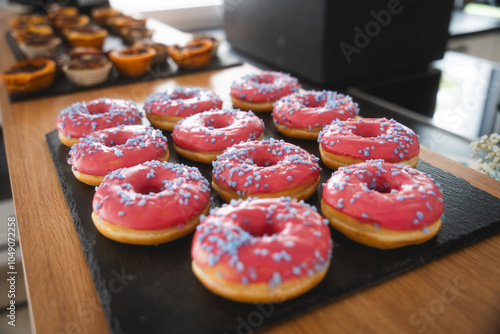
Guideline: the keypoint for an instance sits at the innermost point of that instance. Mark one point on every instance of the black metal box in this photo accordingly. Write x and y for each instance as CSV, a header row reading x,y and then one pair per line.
x,y
327,41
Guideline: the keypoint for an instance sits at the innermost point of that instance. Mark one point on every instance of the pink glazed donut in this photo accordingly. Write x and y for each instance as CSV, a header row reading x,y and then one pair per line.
x,y
262,250
151,203
268,168
258,92
83,118
303,115
344,143
202,137
165,109
106,150
383,205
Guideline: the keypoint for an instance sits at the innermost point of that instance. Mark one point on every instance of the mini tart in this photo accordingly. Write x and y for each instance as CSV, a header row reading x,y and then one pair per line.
x,y
55,12
196,53
133,62
88,70
135,32
161,50
39,46
32,31
60,60
118,22
86,36
84,50
65,22
29,75
102,14
214,40
23,20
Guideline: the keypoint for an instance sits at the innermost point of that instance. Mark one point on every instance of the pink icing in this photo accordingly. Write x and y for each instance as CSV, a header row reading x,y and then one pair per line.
x,y
263,240
215,130
391,196
182,102
313,109
264,87
152,196
268,166
370,138
83,118
106,150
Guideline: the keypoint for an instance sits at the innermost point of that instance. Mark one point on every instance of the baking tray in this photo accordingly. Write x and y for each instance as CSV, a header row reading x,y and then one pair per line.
x,y
163,34
151,289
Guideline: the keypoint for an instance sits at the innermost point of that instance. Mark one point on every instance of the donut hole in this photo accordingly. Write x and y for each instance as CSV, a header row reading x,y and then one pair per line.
x,y
218,122
264,161
115,140
313,102
149,188
367,130
260,230
381,186
98,107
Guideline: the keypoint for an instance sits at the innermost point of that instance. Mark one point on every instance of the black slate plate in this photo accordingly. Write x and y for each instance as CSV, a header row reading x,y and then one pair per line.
x,y
152,289
166,35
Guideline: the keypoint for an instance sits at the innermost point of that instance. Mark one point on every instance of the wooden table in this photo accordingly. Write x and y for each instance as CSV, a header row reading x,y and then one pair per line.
x,y
459,293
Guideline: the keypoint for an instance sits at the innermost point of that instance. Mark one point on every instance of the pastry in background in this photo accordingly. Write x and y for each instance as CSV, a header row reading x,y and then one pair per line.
x,y
56,11
214,40
161,50
115,23
30,75
92,36
60,59
84,50
134,32
102,14
39,45
133,62
23,20
195,54
65,22
33,30
88,69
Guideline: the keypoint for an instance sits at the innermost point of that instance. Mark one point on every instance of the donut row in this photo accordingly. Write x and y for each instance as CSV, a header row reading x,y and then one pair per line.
x,y
266,245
